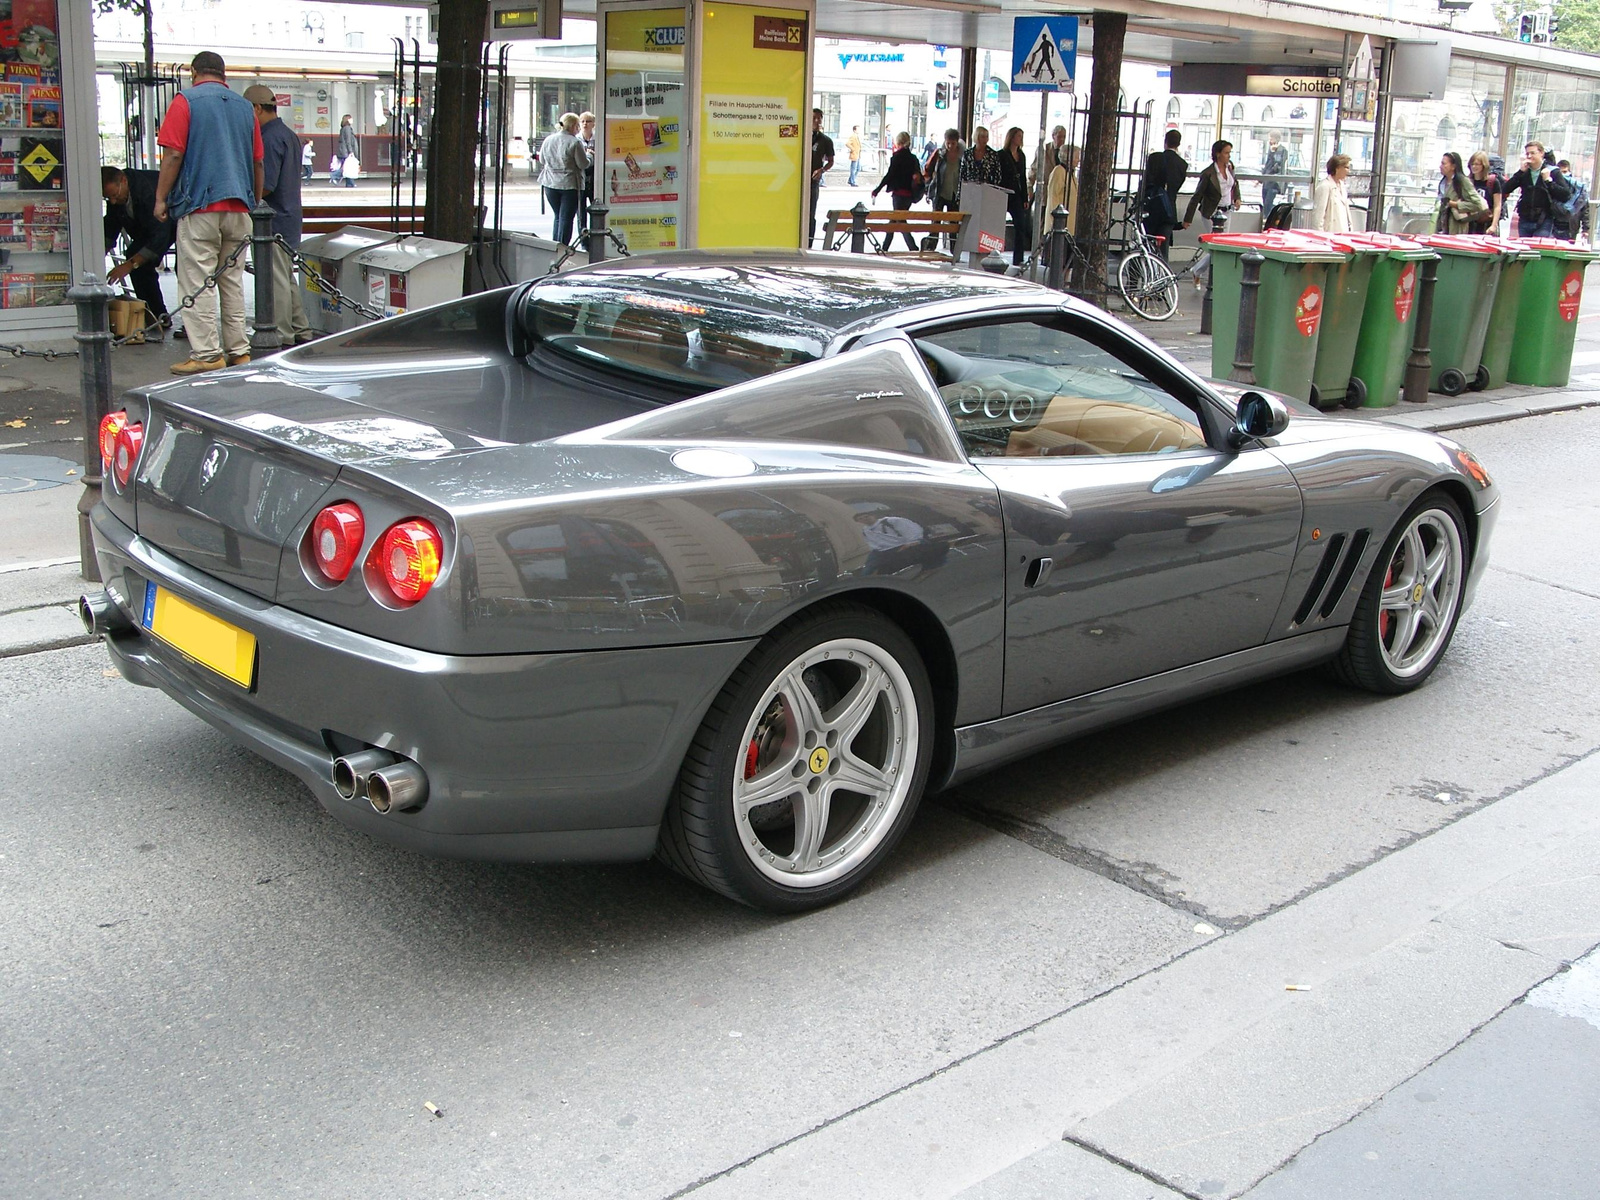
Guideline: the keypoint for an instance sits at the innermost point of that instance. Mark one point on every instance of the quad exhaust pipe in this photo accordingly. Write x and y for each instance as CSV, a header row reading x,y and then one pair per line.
x,y
389,783
101,615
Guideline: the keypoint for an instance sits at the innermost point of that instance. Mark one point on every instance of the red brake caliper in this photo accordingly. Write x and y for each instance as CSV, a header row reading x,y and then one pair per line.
x,y
1383,614
751,755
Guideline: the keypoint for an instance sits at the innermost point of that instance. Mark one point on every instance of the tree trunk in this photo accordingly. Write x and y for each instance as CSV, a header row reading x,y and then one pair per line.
x,y
453,131
1099,154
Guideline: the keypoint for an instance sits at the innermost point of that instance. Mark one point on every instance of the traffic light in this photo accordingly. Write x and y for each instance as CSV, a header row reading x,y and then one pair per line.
x,y
1550,29
1525,27
941,95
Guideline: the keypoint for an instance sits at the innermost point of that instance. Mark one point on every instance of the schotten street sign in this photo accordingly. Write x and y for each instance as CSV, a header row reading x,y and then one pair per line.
x,y
1044,53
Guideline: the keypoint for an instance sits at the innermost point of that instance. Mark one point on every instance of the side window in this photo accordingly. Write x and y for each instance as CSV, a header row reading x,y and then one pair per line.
x,y
1020,389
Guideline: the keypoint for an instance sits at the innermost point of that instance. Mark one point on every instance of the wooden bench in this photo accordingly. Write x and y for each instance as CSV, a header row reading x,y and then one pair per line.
x,y
329,218
925,227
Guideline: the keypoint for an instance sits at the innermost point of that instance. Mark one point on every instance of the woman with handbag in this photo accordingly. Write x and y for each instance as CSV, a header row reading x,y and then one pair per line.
x,y
1486,182
1459,201
903,182
1330,203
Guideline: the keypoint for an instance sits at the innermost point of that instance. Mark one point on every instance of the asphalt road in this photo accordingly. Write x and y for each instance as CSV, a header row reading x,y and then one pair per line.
x,y
211,988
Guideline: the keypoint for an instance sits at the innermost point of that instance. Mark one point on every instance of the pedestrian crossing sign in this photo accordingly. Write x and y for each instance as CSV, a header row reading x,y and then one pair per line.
x,y
1044,53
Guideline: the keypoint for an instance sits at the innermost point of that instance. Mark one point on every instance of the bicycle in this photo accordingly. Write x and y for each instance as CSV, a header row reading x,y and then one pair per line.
x,y
1146,282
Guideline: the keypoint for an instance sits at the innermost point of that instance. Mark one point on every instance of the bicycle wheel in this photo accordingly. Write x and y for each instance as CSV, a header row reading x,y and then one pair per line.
x,y
1148,286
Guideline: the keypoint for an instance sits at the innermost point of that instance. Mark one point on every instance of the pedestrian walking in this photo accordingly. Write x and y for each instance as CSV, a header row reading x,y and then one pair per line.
x,y
308,161
942,170
1164,174
1061,191
1459,201
1572,217
130,208
981,162
210,177
1330,202
903,181
1272,168
1487,183
1045,158
349,153
586,122
562,163
1217,187
1542,187
1019,197
821,164
852,147
280,188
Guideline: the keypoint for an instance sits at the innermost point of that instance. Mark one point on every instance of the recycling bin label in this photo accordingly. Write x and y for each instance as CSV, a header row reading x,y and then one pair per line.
x,y
1405,293
1571,296
1308,310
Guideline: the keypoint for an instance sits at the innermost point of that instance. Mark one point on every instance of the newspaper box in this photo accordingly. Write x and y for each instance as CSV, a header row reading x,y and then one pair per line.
x,y
985,230
328,253
414,272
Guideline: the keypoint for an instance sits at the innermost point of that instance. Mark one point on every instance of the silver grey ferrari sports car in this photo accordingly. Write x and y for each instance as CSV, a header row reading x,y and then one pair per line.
x,y
731,557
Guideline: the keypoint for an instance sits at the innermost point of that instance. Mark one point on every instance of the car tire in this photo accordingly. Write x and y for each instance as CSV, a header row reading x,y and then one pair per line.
x,y
1399,633
764,810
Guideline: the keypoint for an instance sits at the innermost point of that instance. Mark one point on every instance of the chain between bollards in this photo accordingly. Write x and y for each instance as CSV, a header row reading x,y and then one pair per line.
x,y
1219,224
1419,365
93,298
1056,272
1244,346
858,228
264,338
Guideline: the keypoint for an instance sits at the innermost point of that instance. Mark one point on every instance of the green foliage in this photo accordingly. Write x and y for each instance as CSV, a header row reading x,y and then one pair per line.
x,y
1580,25
107,7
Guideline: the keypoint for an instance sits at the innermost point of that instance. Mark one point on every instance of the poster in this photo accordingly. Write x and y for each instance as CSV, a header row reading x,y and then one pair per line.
x,y
756,123
640,179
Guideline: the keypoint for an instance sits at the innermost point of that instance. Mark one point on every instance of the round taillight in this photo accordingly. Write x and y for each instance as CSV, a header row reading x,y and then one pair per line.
x,y
125,454
110,426
407,559
336,537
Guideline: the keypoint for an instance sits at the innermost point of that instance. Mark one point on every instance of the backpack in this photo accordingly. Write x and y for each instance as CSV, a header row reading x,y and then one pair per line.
x,y
919,190
1576,206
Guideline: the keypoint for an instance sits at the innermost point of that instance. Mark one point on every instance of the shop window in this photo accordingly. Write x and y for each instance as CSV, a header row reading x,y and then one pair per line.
x,y
35,269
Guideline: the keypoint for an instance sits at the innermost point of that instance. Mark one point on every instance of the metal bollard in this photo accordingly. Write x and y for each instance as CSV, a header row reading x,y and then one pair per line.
x,y
1056,275
1244,346
858,228
92,297
1419,364
264,338
1219,224
597,232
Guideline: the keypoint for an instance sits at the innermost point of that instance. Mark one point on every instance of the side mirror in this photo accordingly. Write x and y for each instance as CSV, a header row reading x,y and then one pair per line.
x,y
1258,417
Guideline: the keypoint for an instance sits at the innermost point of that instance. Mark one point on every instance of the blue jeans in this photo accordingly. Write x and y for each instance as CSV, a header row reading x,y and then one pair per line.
x,y
855,171
564,203
1544,227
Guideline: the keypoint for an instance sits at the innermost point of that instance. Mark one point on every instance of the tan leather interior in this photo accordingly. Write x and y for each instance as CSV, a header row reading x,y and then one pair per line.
x,y
1092,425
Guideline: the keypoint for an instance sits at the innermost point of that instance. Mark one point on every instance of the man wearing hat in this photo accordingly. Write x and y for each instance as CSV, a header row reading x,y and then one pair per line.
x,y
210,177
280,182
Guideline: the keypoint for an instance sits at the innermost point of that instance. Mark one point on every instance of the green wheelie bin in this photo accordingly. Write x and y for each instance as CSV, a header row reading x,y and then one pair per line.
x,y
1547,313
1463,299
1289,306
1503,317
1333,382
1389,317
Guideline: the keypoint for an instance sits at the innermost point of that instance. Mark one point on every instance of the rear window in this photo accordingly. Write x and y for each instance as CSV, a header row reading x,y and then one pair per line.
x,y
664,336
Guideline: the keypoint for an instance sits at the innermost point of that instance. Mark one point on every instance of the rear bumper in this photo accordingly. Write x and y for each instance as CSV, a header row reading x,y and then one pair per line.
x,y
537,757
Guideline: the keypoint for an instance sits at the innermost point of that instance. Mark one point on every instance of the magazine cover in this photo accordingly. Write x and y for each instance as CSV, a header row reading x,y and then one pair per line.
x,y
11,107
50,287
39,164
29,35
44,106
18,288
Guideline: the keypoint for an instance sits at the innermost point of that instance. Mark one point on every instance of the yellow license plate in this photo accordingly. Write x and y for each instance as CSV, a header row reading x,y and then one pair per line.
x,y
210,641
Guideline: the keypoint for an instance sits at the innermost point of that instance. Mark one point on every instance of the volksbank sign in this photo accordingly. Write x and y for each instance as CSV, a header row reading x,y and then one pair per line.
x,y
846,59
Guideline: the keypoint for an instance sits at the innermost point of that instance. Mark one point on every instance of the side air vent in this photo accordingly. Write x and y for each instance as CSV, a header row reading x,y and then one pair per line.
x,y
1330,559
1347,570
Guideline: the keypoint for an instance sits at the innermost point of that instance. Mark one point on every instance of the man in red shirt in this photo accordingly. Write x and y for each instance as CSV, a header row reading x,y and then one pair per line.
x,y
210,178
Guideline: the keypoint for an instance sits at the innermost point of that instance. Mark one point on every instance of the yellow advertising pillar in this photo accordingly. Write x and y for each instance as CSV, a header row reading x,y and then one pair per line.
x,y
705,123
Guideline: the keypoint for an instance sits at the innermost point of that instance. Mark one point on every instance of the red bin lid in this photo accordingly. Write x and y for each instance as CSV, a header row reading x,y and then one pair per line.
x,y
1461,243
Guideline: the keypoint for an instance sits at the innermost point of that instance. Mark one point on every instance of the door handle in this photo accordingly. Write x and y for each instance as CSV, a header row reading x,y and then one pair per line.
x,y
1038,571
